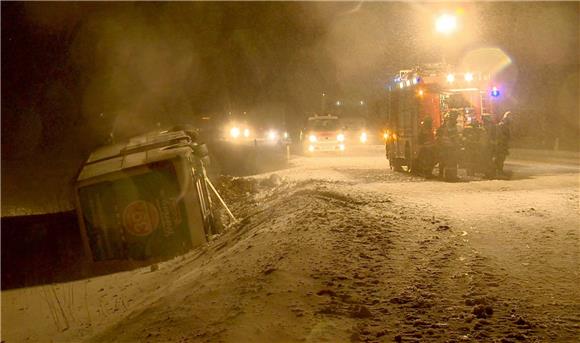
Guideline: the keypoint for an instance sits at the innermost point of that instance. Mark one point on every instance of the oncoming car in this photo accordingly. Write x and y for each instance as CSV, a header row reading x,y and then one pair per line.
x,y
356,131
323,133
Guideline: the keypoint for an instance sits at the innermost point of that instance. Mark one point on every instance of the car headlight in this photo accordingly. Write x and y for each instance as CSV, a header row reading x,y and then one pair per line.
x,y
272,135
312,138
363,137
340,137
235,132
246,133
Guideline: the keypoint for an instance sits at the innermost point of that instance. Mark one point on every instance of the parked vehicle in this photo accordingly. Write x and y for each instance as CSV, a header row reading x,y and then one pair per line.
x,y
425,95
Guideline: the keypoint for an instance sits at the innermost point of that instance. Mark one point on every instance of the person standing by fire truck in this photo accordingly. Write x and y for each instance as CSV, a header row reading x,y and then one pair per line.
x,y
502,146
472,147
488,147
427,154
448,144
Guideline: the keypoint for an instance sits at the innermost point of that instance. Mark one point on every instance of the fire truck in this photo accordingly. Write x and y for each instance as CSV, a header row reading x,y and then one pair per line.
x,y
431,90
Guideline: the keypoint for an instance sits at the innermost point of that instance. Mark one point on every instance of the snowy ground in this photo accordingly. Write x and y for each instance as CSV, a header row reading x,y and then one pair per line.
x,y
345,250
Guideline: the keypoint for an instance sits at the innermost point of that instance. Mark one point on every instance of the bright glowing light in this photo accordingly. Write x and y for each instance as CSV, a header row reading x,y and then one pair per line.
x,y
285,134
401,85
363,137
272,135
450,78
340,137
246,133
338,103
385,135
446,24
312,138
421,92
311,148
341,147
362,102
408,83
495,92
235,132
468,77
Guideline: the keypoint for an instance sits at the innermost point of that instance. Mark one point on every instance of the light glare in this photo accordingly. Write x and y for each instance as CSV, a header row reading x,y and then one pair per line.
x,y
363,137
446,24
272,135
235,132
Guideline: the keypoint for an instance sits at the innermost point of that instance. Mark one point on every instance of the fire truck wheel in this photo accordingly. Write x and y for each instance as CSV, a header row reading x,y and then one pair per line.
x,y
415,169
396,164
450,174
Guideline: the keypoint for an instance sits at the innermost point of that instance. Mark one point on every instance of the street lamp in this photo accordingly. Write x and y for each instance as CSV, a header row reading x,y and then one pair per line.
x,y
446,24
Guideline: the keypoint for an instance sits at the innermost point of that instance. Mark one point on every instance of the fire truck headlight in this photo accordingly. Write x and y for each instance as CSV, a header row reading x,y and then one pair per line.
x,y
468,77
246,132
311,148
363,137
341,147
235,132
450,78
340,137
312,138
272,135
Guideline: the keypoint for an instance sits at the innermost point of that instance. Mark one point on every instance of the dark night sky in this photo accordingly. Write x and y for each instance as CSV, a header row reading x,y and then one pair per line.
x,y
71,70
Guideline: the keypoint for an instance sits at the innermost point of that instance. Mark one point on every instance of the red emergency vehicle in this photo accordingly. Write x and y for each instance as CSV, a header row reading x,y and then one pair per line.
x,y
431,90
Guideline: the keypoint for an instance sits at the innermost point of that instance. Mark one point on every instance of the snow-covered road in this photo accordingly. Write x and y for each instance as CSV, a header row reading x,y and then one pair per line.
x,y
345,250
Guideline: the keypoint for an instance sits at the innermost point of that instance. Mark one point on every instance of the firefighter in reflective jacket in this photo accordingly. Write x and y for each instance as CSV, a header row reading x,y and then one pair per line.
x,y
448,145
426,158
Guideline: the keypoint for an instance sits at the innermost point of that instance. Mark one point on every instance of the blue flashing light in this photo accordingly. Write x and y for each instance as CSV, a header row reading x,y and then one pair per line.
x,y
495,92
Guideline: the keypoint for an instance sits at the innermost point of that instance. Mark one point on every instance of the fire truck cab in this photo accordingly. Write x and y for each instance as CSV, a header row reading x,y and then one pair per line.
x,y
431,91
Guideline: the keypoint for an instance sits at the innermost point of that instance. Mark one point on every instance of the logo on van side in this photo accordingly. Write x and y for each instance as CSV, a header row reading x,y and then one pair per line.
x,y
140,218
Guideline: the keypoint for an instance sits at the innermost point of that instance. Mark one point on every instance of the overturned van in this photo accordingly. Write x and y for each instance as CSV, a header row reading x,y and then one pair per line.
x,y
144,200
